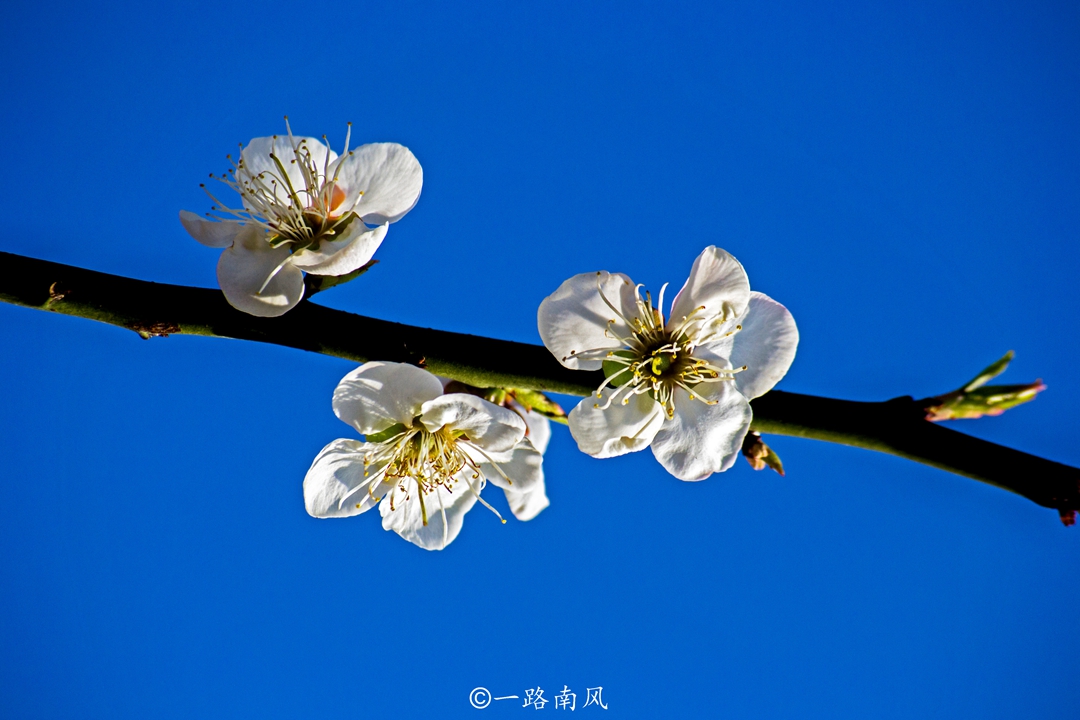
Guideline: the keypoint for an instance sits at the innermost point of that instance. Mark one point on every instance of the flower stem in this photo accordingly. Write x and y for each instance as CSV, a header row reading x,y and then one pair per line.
x,y
151,309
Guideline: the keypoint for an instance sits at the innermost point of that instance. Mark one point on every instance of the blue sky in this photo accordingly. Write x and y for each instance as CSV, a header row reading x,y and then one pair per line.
x,y
902,177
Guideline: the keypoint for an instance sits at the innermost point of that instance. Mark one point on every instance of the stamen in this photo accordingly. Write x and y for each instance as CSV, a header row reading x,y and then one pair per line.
x,y
660,303
608,302
429,461
484,502
493,463
608,379
285,176
307,213
366,484
423,509
657,360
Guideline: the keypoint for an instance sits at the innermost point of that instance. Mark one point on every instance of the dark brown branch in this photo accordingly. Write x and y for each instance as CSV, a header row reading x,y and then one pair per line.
x,y
896,427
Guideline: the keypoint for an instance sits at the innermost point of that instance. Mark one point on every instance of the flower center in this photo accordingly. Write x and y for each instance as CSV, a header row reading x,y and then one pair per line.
x,y
431,459
657,360
424,459
300,213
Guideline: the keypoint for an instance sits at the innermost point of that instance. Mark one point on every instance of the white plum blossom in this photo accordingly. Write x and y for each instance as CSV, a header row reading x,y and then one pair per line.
x,y
682,386
425,457
305,209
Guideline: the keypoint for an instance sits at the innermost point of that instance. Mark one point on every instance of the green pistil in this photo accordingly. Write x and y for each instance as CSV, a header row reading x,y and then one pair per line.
x,y
660,362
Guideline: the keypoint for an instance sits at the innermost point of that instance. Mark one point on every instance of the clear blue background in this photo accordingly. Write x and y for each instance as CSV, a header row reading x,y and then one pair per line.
x,y
904,178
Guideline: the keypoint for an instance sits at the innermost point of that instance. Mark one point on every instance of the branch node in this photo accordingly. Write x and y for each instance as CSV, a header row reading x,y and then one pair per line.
x,y
57,292
157,329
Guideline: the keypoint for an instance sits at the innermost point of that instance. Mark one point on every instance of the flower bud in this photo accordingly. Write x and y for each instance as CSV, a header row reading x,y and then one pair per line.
x,y
976,398
760,455
987,400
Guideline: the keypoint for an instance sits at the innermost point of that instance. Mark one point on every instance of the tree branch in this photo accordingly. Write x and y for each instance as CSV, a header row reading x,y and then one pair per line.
x,y
151,309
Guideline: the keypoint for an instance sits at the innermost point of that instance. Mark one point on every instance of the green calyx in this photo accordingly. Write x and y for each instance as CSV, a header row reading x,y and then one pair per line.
x,y
384,435
619,372
318,283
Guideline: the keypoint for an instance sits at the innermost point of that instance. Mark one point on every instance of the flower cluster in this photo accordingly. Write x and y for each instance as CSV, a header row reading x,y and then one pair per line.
x,y
304,209
682,385
678,381
425,458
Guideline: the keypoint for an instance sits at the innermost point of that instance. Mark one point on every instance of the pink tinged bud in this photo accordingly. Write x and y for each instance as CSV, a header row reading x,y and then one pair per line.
x,y
987,400
977,399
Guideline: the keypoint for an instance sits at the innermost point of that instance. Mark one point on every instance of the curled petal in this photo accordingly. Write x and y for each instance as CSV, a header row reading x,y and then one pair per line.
x,y
445,514
578,327
703,439
258,279
492,428
342,256
256,160
212,233
338,484
766,345
377,395
618,429
537,427
518,470
385,180
528,505
718,282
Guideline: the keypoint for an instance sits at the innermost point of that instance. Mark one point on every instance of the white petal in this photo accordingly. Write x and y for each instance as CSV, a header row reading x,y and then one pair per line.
x,y
344,255
703,439
766,346
617,430
537,427
718,282
575,320
243,270
212,233
377,395
521,467
388,175
445,513
492,428
526,506
256,159
336,484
